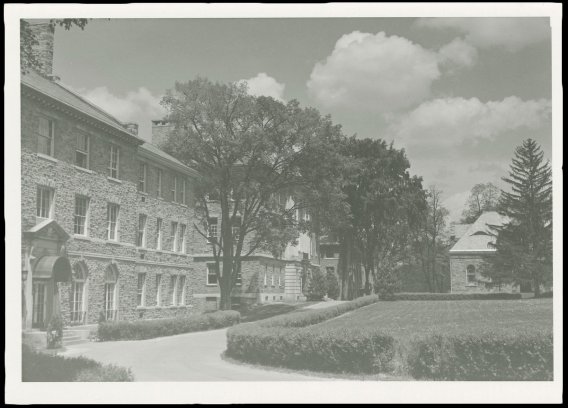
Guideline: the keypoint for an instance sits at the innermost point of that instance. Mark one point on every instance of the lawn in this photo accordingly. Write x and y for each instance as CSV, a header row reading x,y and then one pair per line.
x,y
412,317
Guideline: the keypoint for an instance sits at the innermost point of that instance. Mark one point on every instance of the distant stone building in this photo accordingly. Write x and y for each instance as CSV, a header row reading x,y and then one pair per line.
x,y
107,219
468,255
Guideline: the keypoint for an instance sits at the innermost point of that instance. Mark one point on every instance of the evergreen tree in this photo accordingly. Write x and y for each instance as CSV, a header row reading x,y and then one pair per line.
x,y
317,285
524,242
332,284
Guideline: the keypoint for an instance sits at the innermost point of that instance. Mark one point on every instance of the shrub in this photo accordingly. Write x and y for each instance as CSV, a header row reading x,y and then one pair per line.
x,y
387,283
457,296
148,329
545,295
42,367
332,284
509,355
54,332
317,287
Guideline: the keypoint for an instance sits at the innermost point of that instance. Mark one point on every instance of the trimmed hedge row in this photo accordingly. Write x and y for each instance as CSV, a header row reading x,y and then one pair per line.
x,y
42,367
148,329
310,317
457,296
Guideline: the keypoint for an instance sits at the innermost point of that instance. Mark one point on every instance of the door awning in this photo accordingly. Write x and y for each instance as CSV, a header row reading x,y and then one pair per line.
x,y
56,267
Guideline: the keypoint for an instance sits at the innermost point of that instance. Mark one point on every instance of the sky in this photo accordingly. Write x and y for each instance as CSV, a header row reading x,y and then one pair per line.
x,y
458,94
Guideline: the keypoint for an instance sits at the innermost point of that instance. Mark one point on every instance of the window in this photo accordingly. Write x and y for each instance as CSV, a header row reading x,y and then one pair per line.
x,y
159,178
44,202
470,275
181,290
212,229
45,132
112,222
236,228
280,279
158,290
80,219
182,194
330,253
114,161
141,238
142,173
272,279
239,278
78,312
174,236
111,282
173,288
182,238
211,274
141,295
174,189
159,233
265,275
82,151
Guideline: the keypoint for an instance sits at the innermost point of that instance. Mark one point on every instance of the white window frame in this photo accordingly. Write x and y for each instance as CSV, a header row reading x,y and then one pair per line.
x,y
142,224
86,216
182,233
181,281
42,192
210,267
212,228
174,286
182,191
174,189
112,167
159,224
85,152
143,177
174,236
141,291
467,274
110,231
51,137
159,289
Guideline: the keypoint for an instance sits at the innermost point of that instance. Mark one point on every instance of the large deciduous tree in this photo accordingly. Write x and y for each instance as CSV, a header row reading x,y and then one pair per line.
x,y
524,243
252,154
483,197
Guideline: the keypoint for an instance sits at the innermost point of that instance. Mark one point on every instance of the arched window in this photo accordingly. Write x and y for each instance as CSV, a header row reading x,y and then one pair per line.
x,y
110,293
470,276
79,294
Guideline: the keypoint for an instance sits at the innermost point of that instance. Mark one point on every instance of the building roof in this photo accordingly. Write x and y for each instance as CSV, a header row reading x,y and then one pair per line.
x,y
480,234
457,230
150,150
65,96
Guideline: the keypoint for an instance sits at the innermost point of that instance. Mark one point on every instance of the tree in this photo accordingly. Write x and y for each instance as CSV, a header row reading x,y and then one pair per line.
x,y
429,244
483,197
317,285
28,40
524,242
253,156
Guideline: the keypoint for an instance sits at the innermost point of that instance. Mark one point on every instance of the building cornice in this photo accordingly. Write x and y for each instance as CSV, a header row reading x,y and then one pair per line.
x,y
147,154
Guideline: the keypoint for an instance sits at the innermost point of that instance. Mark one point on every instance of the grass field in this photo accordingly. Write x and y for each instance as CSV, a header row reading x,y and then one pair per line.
x,y
413,317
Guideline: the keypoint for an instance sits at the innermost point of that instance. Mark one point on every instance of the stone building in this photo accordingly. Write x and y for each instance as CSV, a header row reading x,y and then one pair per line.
x,y
107,219
468,255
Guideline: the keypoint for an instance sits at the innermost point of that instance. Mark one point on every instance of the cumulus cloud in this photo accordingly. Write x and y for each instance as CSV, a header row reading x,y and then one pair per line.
x,y
458,53
449,121
264,85
511,33
140,106
374,72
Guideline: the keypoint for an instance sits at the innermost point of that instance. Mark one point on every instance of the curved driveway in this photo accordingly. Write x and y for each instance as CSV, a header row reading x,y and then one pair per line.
x,y
185,357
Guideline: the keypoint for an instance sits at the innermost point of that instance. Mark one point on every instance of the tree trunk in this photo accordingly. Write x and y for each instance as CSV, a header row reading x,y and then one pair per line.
x,y
536,288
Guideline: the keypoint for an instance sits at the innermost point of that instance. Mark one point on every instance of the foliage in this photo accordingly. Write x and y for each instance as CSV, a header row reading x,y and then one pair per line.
x,y
482,356
524,243
387,284
317,285
54,332
28,40
457,296
252,155
332,284
483,197
37,366
148,329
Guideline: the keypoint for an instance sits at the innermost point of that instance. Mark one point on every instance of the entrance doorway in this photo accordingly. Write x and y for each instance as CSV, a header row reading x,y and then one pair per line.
x,y
39,293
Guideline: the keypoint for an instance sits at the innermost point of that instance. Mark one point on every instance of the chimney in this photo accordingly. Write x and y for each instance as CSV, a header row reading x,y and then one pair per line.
x,y
132,128
44,35
160,132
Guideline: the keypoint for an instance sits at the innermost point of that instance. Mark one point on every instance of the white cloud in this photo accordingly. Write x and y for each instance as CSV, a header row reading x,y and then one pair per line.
x,y
139,106
458,53
512,33
374,72
448,121
455,204
264,85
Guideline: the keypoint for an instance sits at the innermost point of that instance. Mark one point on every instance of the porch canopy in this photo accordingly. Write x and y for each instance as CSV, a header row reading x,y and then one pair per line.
x,y
56,267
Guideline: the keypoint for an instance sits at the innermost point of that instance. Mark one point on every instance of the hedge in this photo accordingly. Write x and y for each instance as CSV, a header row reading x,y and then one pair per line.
x,y
148,329
457,296
42,367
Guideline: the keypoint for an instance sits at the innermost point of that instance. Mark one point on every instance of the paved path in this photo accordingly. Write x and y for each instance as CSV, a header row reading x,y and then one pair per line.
x,y
185,357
